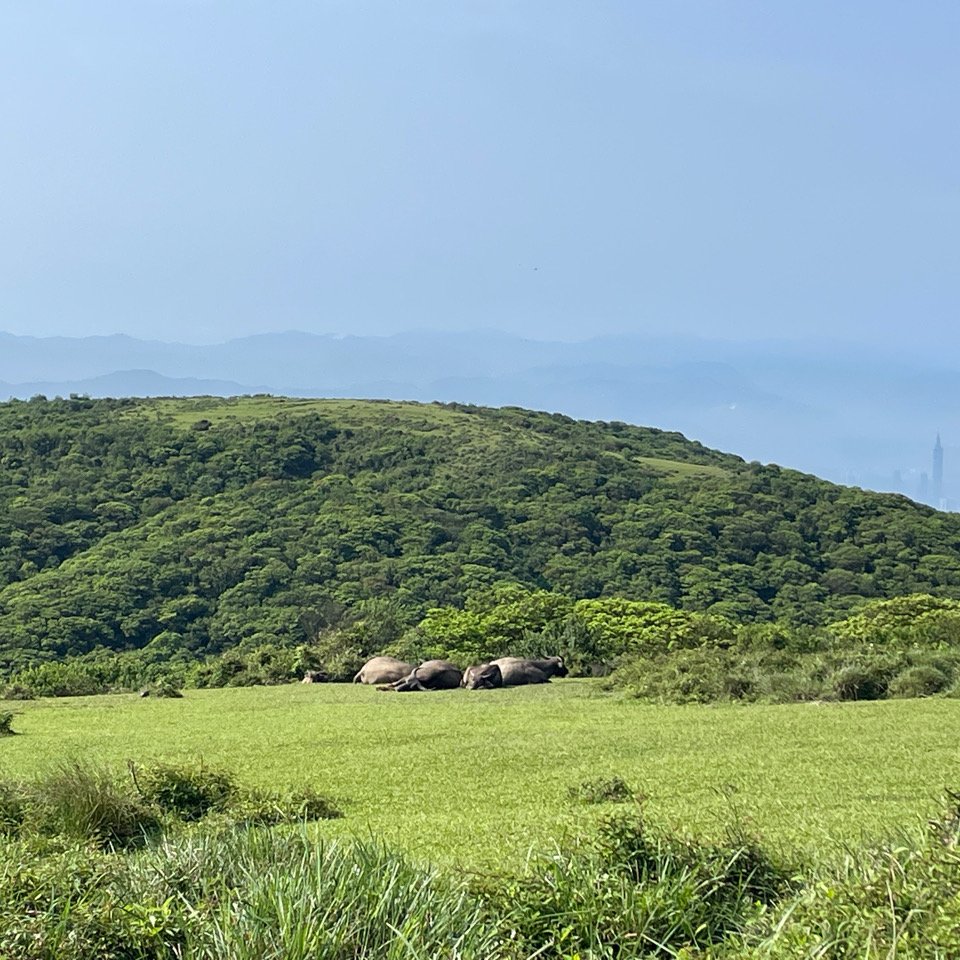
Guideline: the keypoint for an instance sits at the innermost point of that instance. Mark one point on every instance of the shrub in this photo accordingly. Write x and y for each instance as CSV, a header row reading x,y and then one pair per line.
x,y
632,626
782,676
602,790
263,664
633,890
70,902
638,891
688,676
18,691
252,894
920,617
185,791
190,792
6,724
269,809
736,865
865,678
793,686
899,898
922,680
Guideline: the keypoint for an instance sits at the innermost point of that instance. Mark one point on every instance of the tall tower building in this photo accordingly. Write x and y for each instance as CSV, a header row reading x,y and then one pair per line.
x,y
937,472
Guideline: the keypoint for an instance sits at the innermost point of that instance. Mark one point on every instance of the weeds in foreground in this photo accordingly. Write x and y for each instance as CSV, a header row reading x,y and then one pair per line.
x,y
637,890
212,890
87,804
90,804
229,894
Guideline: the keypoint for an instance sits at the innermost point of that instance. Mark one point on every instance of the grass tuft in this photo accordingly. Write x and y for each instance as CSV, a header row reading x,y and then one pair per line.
x,y
191,791
186,791
603,790
87,803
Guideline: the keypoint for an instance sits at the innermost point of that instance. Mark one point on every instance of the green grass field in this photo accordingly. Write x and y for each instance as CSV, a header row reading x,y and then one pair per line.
x,y
679,469
482,777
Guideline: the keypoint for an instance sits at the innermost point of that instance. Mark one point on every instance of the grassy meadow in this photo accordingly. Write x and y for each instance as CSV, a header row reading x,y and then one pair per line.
x,y
482,778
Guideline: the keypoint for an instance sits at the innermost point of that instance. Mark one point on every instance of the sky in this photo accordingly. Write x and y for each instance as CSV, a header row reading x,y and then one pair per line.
x,y
197,170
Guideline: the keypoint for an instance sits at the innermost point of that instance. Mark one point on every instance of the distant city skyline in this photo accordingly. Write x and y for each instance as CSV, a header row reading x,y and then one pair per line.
x,y
938,500
772,401
925,485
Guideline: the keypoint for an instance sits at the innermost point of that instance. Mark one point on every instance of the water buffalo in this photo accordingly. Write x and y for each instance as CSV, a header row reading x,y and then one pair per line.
x,y
516,671
483,676
383,670
431,675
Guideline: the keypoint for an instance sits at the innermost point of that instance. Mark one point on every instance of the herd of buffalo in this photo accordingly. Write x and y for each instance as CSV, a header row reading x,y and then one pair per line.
x,y
388,673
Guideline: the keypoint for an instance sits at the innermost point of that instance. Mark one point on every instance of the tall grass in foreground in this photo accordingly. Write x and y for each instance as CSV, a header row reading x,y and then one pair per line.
x,y
282,896
899,899
238,895
259,894
220,889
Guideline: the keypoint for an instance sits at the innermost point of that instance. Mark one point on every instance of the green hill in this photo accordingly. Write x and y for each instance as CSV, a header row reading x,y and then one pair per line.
x,y
202,524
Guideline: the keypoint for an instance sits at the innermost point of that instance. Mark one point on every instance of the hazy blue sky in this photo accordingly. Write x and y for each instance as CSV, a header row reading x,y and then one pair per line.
x,y
197,170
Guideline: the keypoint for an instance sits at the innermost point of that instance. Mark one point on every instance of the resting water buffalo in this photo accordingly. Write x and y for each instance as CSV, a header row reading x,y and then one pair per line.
x,y
516,671
431,675
383,670
483,676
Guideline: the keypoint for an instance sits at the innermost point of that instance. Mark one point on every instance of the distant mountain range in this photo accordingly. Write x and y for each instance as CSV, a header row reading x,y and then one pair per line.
x,y
851,413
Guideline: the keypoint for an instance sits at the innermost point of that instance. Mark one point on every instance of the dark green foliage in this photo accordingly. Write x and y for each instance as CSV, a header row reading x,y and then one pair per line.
x,y
6,724
163,691
890,648
66,902
97,672
734,867
125,527
237,895
191,791
247,666
689,676
899,899
864,678
602,790
922,680
783,676
185,791
641,891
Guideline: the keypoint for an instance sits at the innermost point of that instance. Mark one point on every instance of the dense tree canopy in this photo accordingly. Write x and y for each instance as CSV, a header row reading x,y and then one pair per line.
x,y
187,527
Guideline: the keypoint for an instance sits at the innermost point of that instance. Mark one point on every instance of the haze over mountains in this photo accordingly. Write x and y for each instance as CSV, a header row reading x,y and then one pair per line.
x,y
847,413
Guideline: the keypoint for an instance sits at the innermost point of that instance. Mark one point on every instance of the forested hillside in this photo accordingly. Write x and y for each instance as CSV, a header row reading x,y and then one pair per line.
x,y
198,525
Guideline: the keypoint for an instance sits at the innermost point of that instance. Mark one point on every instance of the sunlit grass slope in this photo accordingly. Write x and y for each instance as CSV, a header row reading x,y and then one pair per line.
x,y
482,777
